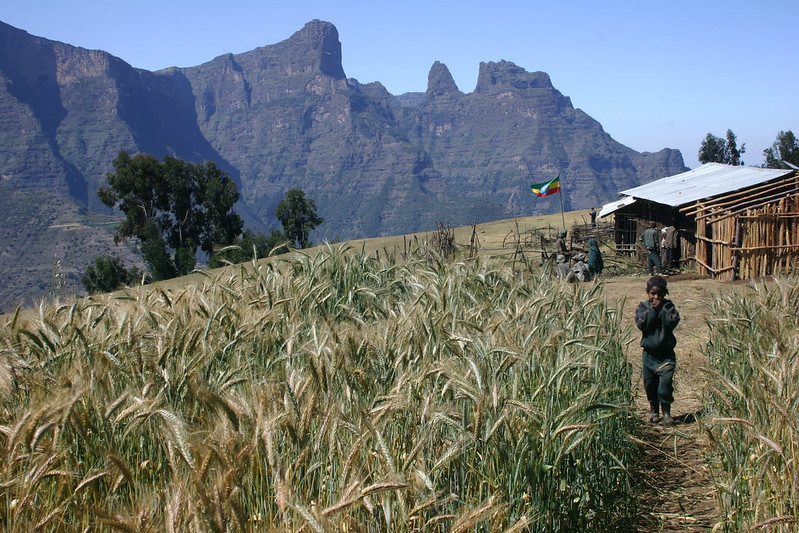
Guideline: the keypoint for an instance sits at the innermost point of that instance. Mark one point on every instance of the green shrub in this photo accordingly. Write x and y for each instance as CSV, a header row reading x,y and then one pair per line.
x,y
108,274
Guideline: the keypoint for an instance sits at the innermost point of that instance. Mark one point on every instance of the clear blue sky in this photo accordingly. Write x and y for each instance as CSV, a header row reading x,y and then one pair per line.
x,y
654,74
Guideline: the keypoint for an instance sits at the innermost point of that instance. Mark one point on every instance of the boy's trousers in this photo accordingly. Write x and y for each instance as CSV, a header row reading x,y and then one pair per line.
x,y
658,376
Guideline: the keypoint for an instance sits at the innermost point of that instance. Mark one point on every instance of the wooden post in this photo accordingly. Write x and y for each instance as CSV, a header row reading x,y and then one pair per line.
x,y
736,254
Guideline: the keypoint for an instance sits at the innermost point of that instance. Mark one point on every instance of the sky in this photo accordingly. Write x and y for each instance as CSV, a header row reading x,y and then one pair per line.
x,y
655,74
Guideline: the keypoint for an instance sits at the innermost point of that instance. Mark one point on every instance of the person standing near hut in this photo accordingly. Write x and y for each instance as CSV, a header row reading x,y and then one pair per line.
x,y
595,263
593,217
650,240
656,318
670,245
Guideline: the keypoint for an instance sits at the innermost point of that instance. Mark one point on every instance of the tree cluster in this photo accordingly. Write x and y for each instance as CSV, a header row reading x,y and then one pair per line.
x,y
250,246
108,273
298,217
174,208
717,150
783,153
784,150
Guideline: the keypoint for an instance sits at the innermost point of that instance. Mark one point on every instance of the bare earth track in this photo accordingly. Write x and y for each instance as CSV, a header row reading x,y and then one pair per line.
x,y
677,489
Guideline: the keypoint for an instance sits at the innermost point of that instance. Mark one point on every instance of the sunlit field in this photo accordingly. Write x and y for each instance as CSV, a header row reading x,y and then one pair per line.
x,y
753,403
339,392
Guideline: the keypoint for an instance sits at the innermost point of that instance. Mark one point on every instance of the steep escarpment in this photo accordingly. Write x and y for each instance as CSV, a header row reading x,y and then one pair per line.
x,y
285,115
516,128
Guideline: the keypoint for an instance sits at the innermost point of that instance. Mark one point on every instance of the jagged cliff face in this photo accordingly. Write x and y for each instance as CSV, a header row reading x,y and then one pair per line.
x,y
516,128
67,112
285,115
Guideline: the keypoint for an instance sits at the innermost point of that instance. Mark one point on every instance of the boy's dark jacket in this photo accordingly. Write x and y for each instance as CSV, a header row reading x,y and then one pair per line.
x,y
657,327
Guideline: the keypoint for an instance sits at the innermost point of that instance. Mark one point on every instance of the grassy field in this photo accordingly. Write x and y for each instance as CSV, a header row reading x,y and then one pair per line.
x,y
753,394
497,240
326,390
377,386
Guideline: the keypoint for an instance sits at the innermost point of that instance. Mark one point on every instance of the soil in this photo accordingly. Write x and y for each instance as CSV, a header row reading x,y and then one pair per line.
x,y
676,489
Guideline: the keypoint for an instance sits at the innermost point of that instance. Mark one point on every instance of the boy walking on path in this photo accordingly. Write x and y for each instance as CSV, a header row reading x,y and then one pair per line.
x,y
656,318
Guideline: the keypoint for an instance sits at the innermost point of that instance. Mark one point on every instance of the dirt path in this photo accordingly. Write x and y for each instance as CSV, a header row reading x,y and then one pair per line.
x,y
677,487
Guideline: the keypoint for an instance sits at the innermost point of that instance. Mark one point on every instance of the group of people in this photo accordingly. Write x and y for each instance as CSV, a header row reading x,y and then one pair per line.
x,y
585,267
661,248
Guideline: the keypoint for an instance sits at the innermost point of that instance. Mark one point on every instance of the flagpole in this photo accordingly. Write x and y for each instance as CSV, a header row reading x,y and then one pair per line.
x,y
562,217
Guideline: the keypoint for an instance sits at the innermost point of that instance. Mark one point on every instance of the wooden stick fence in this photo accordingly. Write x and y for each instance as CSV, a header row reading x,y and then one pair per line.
x,y
760,241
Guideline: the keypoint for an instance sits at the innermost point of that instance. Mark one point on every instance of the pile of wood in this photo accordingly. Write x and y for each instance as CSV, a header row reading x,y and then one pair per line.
x,y
602,232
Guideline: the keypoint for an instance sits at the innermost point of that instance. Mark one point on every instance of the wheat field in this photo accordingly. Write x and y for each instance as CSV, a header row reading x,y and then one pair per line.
x,y
752,398
333,392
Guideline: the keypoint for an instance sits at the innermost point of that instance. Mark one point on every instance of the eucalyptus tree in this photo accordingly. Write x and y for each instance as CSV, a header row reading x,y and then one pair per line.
x,y
719,150
174,207
784,150
298,216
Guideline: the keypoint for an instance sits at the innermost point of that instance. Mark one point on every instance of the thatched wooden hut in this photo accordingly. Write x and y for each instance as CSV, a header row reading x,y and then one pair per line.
x,y
734,222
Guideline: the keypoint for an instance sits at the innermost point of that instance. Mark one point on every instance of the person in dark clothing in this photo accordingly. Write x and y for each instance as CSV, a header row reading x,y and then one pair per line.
x,y
593,217
560,244
650,240
670,241
595,263
656,318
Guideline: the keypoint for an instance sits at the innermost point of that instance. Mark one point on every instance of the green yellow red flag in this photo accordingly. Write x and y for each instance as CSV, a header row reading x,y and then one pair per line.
x,y
545,189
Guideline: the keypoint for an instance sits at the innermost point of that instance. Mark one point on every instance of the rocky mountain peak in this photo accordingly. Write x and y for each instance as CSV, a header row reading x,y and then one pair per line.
x,y
504,75
440,82
284,116
319,40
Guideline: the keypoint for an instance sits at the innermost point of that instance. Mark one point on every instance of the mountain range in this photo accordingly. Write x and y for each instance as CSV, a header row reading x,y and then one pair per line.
x,y
277,117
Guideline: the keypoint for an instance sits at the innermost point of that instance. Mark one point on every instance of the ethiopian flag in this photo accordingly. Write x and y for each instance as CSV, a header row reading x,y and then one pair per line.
x,y
545,189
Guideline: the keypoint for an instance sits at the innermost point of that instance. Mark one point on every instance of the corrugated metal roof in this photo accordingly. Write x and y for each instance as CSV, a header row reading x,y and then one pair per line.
x,y
611,207
711,179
